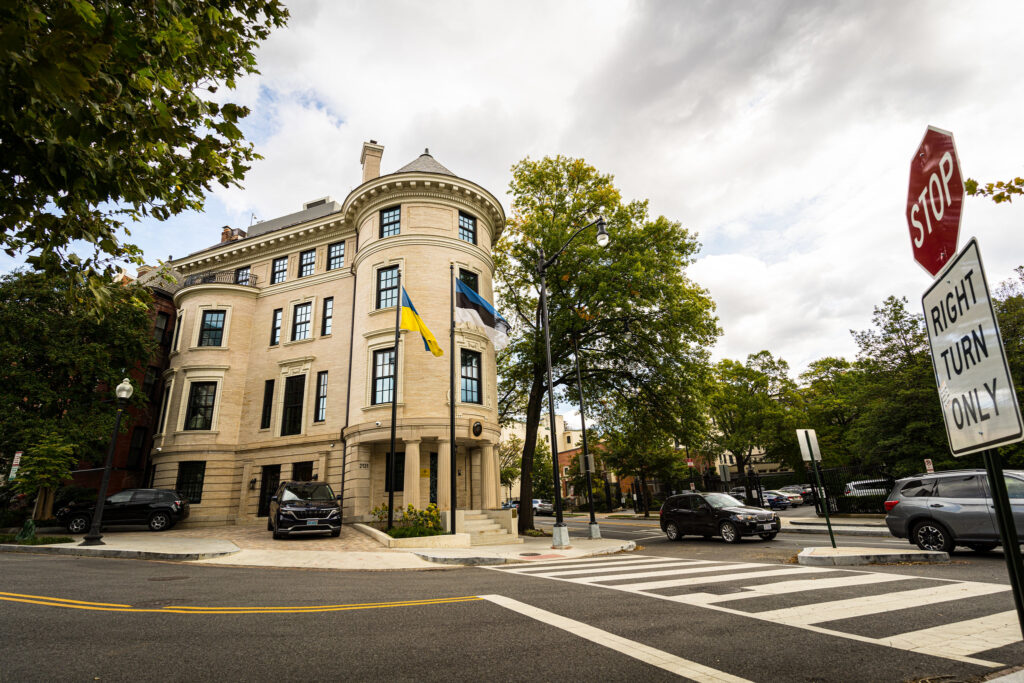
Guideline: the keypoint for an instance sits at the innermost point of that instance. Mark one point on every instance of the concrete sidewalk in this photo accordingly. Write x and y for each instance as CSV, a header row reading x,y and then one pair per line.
x,y
848,556
251,546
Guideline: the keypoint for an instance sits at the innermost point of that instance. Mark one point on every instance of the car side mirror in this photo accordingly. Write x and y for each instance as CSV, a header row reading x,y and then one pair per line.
x,y
339,497
273,499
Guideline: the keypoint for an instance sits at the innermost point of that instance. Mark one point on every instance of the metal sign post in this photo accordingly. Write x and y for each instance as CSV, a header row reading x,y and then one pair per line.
x,y
808,449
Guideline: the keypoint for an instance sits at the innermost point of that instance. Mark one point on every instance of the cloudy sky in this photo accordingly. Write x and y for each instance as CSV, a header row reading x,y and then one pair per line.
x,y
781,132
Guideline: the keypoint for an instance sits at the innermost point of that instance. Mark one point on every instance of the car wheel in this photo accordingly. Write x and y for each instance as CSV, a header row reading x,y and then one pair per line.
x,y
79,524
930,535
278,536
729,532
336,532
982,547
769,536
672,531
159,521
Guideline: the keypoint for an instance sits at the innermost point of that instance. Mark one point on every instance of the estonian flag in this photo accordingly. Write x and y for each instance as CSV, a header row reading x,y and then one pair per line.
x,y
470,307
411,320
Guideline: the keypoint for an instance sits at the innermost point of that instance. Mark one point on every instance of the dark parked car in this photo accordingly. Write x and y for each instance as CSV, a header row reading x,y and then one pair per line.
x,y
716,514
942,510
776,500
159,509
304,507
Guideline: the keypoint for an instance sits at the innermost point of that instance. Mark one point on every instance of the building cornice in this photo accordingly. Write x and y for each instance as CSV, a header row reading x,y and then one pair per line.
x,y
452,244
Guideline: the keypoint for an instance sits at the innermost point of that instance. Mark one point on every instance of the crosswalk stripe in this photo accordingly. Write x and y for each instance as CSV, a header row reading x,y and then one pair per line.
x,y
785,587
581,562
666,572
600,570
874,604
720,578
963,638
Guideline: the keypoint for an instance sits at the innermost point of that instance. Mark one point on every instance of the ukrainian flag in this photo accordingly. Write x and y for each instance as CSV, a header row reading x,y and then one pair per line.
x,y
411,320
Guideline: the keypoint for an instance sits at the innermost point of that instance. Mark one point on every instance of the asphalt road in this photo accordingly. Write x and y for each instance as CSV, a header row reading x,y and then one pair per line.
x,y
96,619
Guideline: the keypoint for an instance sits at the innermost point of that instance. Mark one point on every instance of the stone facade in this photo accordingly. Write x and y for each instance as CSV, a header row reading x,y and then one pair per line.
x,y
269,390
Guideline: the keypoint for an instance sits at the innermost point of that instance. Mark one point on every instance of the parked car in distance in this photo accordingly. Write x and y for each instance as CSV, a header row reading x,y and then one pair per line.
x,y
544,507
304,507
159,509
805,491
776,500
868,487
943,510
509,505
794,497
715,514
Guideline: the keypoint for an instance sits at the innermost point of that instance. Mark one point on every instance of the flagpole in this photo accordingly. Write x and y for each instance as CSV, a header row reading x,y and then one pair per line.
x,y
451,389
394,408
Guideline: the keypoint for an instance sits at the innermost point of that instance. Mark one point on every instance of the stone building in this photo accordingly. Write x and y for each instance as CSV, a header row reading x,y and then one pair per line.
x,y
281,365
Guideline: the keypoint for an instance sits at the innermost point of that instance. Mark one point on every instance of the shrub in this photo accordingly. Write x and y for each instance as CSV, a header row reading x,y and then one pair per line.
x,y
412,523
861,504
37,540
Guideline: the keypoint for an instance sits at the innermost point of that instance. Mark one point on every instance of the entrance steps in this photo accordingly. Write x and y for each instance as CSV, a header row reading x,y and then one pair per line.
x,y
483,530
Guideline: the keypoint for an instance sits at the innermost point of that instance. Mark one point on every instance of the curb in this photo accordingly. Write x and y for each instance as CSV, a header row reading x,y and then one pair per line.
x,y
847,531
625,546
111,552
811,560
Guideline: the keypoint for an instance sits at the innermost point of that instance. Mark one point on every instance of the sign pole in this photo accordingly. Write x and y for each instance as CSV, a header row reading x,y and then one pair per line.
x,y
817,479
1007,528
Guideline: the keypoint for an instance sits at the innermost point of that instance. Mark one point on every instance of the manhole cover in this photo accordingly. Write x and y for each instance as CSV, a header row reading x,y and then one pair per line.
x,y
168,578
529,554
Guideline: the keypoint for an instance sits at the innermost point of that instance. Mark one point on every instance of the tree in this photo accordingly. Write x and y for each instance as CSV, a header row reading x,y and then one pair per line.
x,y
1000,191
1008,302
643,328
543,479
510,462
108,114
58,366
830,403
752,409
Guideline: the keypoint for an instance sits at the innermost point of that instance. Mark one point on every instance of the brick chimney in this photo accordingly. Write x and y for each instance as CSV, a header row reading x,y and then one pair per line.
x,y
229,234
370,159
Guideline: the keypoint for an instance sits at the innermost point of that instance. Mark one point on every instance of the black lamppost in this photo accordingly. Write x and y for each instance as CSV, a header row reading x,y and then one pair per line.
x,y
560,533
123,392
586,463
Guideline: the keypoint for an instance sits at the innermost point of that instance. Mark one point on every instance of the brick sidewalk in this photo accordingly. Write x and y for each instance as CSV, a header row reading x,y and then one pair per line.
x,y
254,536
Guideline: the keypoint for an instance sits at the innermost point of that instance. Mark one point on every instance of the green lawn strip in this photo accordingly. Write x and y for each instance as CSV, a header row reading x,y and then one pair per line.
x,y
38,540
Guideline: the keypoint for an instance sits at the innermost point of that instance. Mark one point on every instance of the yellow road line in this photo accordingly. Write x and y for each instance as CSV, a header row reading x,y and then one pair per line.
x,y
77,602
99,607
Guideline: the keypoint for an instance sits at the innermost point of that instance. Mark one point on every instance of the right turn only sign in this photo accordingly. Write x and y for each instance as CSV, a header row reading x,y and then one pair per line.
x,y
979,404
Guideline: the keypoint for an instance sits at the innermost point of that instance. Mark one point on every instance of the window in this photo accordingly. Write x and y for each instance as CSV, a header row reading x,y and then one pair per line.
x,y
291,416
916,488
390,221
568,438
328,319
211,333
383,376
268,403
242,275
321,397
1014,487
565,470
387,287
467,228
149,381
120,497
275,327
177,329
190,480
301,317
335,255
307,263
302,471
470,377
279,271
164,407
199,414
399,478
470,279
160,327
957,487
135,451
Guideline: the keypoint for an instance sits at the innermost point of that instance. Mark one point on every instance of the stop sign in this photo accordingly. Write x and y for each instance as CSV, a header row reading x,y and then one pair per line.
x,y
935,200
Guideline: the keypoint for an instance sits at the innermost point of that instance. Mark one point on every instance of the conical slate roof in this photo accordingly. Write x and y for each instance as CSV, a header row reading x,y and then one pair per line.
x,y
424,164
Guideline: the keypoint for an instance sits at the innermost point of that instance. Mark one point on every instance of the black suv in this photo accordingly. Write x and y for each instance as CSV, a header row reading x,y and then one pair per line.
x,y
159,509
716,514
304,507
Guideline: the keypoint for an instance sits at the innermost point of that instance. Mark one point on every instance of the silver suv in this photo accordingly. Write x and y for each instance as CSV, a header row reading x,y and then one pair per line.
x,y
942,510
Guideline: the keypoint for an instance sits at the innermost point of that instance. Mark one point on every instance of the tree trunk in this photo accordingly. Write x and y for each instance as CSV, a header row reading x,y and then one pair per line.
x,y
645,495
533,407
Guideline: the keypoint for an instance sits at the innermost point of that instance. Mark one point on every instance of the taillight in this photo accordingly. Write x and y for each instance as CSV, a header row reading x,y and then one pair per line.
x,y
890,504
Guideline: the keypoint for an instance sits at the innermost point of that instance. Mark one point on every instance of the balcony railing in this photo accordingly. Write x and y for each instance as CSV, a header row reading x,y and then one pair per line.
x,y
229,277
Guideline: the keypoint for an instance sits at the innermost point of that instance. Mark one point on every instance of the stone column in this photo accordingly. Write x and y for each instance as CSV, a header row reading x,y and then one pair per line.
x,y
357,481
411,488
444,474
489,492
476,479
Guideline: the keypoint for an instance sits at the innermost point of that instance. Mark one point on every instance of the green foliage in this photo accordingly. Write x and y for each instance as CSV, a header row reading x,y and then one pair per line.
x,y
1000,191
543,477
58,366
412,522
27,533
108,114
510,462
643,328
35,540
863,505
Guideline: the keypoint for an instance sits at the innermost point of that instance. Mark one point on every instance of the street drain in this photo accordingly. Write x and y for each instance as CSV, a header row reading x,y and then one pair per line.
x,y
167,578
529,554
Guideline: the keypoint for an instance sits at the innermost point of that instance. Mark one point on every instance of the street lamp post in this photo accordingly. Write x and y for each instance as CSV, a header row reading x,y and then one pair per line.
x,y
595,530
560,533
123,392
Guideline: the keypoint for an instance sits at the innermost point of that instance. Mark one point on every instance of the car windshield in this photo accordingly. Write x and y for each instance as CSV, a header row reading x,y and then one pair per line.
x,y
307,492
721,500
